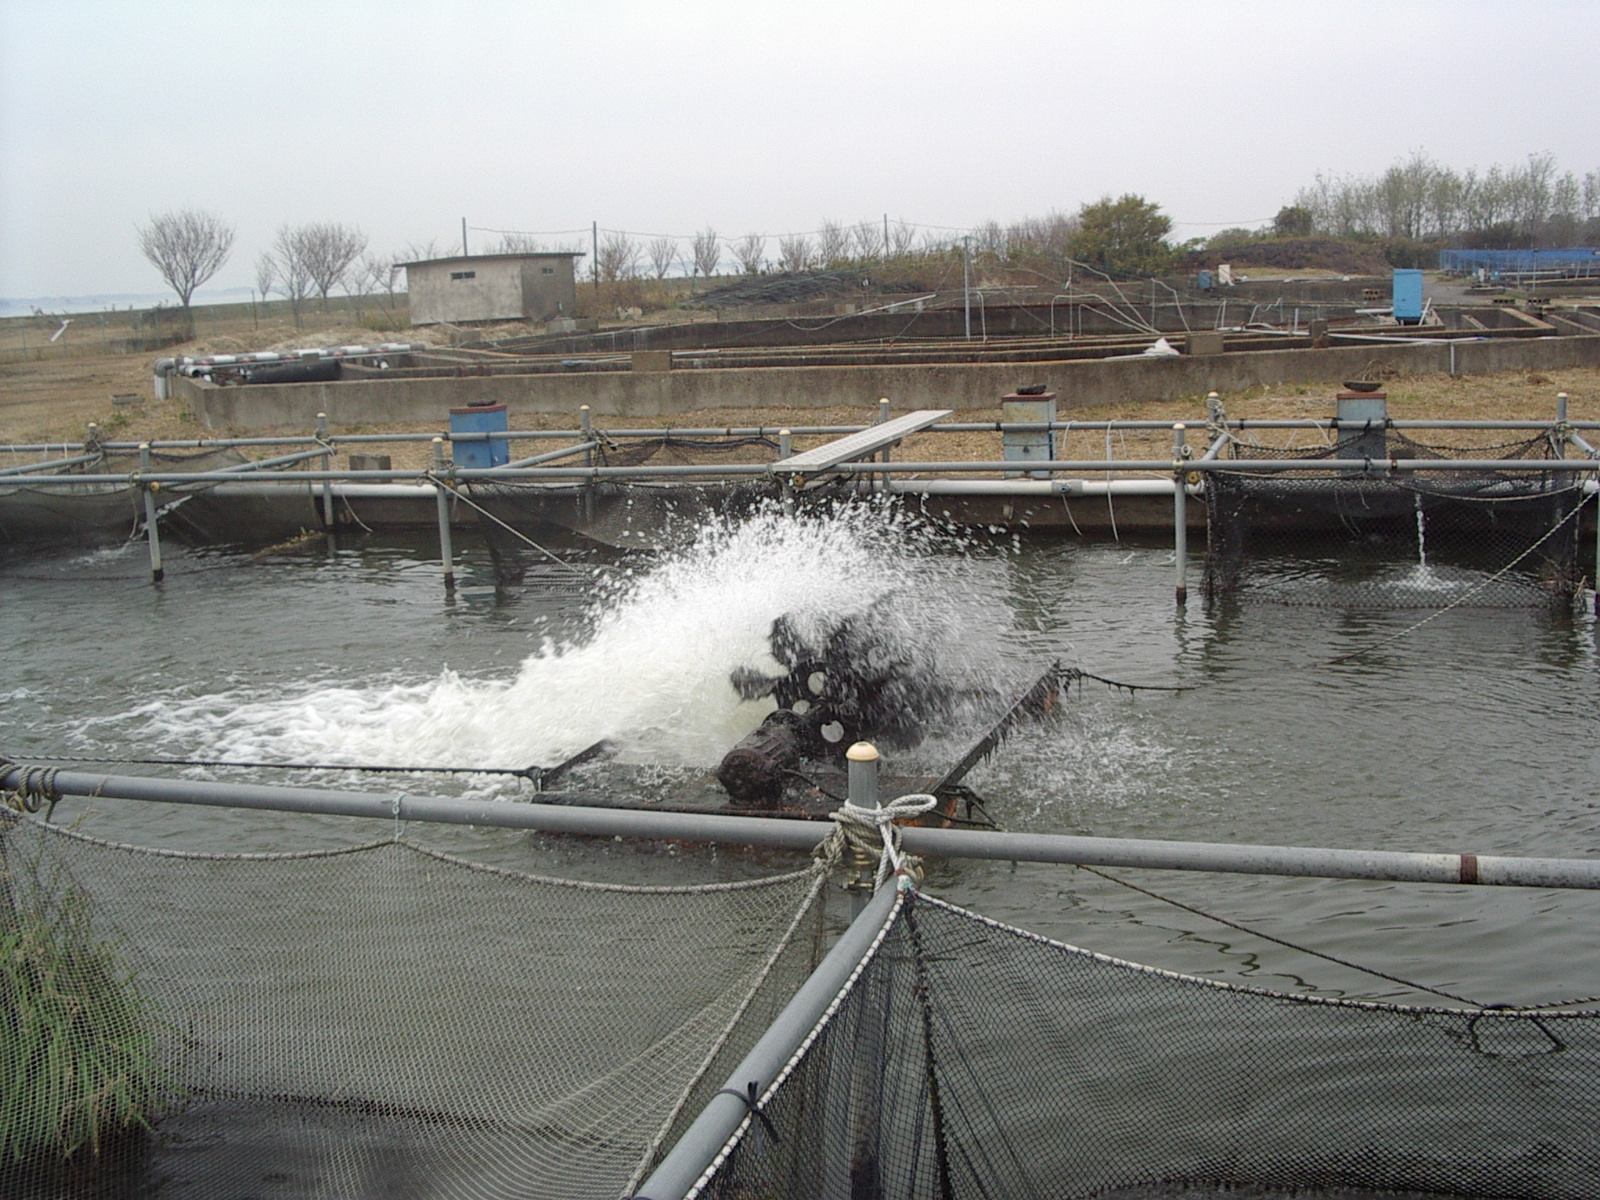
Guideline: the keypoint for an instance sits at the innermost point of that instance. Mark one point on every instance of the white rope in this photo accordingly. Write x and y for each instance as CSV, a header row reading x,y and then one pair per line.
x,y
874,830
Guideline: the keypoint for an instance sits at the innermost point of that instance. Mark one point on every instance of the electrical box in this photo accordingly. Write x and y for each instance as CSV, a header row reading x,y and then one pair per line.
x,y
1362,423
480,453
1408,297
1029,446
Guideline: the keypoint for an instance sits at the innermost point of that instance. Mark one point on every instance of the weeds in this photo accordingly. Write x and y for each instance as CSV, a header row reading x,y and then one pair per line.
x,y
77,1039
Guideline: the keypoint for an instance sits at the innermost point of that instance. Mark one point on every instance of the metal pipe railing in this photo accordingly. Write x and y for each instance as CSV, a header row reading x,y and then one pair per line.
x,y
1391,865
771,431
1348,466
50,465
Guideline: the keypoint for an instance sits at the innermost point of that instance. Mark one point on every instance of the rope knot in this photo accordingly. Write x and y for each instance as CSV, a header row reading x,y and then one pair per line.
x,y
875,831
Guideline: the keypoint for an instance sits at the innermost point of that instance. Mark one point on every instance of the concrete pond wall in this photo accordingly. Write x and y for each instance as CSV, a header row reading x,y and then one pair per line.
x,y
645,393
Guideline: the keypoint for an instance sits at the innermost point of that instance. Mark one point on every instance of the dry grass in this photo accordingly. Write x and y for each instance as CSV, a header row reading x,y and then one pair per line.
x,y
53,398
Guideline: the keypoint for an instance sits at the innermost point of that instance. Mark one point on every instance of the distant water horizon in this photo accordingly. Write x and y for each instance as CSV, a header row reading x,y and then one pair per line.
x,y
110,301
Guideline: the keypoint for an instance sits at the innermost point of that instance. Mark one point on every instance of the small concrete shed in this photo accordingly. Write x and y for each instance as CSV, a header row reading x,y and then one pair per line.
x,y
492,287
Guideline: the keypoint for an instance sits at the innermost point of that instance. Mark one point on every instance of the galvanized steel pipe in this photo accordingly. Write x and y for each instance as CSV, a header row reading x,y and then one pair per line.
x,y
1392,865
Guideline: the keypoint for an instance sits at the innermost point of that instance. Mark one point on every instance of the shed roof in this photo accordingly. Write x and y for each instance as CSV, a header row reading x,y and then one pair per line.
x,y
467,258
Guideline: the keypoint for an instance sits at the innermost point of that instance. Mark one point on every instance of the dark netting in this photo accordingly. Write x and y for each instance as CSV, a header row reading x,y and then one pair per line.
x,y
103,509
523,524
1380,539
970,1059
383,1020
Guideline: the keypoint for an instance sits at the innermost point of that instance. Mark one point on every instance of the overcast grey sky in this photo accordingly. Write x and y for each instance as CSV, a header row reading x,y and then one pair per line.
x,y
665,116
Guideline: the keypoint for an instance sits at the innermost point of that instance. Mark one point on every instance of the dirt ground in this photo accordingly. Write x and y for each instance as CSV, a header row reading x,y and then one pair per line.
x,y
52,396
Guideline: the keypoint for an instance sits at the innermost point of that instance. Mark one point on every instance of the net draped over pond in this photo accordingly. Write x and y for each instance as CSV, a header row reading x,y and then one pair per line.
x,y
969,1059
382,1016
345,1022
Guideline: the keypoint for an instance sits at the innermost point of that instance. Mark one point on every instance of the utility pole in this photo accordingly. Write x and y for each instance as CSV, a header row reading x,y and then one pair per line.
x,y
464,251
594,232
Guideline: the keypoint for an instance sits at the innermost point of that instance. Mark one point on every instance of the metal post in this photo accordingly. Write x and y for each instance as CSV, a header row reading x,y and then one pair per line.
x,y
1561,407
586,424
786,487
441,492
966,281
151,533
327,465
862,788
1180,513
883,455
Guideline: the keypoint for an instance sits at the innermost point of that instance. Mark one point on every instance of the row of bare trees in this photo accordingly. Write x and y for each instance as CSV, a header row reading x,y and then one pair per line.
x,y
1514,207
620,255
188,247
313,259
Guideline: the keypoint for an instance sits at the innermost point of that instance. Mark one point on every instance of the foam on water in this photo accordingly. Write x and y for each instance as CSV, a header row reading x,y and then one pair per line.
x,y
653,670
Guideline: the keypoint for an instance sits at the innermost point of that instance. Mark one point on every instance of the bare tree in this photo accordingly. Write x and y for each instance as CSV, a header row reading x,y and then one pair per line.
x,y
420,251
992,239
618,257
663,253
266,273
188,247
749,250
707,252
392,279
902,238
518,243
368,275
794,252
868,238
293,276
833,244
326,249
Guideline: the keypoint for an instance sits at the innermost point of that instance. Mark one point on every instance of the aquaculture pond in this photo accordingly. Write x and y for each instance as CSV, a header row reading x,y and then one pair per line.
x,y
1469,731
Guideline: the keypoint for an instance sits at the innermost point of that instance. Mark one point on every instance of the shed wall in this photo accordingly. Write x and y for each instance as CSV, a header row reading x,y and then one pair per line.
x,y
492,291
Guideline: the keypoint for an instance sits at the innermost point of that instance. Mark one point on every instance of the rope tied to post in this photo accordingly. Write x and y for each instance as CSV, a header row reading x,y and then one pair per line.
x,y
33,786
874,831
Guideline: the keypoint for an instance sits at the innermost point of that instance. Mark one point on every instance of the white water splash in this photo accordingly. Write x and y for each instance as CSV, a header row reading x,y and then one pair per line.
x,y
1424,576
653,673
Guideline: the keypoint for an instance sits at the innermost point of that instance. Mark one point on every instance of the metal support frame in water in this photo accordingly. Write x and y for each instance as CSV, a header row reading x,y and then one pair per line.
x,y
860,455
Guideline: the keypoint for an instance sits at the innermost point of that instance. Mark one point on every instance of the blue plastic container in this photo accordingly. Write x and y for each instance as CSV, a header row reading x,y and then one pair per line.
x,y
1408,297
488,452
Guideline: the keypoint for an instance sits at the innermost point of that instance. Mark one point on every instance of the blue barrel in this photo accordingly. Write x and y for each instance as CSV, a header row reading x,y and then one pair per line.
x,y
480,418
